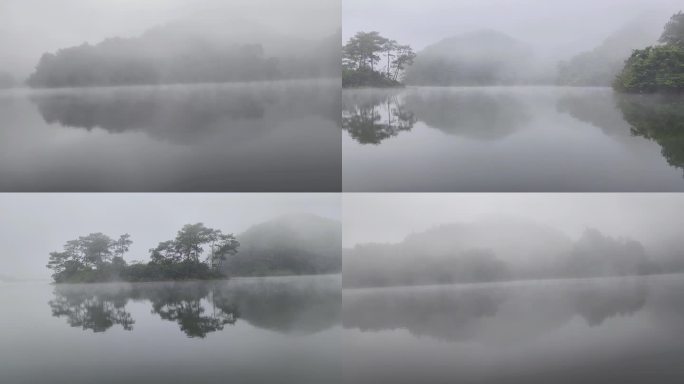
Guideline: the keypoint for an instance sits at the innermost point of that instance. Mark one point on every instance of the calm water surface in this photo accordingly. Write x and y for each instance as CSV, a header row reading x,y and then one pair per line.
x,y
511,139
269,330
281,136
623,330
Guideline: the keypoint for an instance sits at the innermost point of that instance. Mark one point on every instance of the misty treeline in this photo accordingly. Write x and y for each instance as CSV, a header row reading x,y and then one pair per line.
x,y
288,245
489,57
176,53
97,257
372,60
658,68
500,251
200,308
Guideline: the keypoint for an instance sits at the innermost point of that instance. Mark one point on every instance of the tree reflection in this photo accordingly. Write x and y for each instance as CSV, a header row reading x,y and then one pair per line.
x,y
187,306
371,117
187,115
478,115
495,312
657,118
199,308
97,311
376,119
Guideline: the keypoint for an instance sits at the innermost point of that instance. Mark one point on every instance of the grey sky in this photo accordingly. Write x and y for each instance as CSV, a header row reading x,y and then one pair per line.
x,y
390,217
32,225
28,28
549,25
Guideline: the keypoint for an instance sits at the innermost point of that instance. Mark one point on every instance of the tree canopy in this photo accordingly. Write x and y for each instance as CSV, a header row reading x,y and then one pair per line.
x,y
656,68
97,257
369,59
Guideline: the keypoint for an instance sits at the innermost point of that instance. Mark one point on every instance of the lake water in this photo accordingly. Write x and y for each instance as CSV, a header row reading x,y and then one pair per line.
x,y
262,330
309,330
281,136
622,330
511,139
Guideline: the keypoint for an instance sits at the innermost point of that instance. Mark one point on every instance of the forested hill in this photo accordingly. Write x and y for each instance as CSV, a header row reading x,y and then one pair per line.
x,y
288,245
500,250
599,66
181,52
478,58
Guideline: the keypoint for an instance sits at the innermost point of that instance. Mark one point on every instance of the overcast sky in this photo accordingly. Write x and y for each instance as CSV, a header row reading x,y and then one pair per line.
x,y
391,217
32,225
28,28
548,25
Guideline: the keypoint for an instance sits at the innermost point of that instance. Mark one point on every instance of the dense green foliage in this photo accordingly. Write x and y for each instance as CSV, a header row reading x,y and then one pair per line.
x,y
656,68
653,69
366,77
97,258
371,60
172,54
288,245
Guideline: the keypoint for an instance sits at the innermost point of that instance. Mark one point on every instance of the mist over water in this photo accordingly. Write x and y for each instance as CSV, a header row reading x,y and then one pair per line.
x,y
510,139
606,330
281,136
244,330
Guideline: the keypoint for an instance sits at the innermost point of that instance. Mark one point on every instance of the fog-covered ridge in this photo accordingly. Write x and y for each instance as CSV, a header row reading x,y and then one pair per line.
x,y
190,52
499,250
289,245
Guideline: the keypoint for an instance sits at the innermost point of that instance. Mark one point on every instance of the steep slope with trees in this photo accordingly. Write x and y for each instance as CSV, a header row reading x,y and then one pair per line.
x,y
288,245
658,68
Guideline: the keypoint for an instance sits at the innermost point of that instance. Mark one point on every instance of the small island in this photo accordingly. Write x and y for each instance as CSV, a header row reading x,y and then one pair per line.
x,y
659,68
371,60
99,258
287,245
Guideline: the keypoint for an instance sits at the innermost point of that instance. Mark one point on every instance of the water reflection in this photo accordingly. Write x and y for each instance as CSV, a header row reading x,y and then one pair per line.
x,y
657,118
200,308
97,311
181,116
375,117
281,136
493,313
622,330
478,115
511,139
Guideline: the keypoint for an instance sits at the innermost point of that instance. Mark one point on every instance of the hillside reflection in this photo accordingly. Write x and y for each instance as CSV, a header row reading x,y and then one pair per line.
x,y
200,308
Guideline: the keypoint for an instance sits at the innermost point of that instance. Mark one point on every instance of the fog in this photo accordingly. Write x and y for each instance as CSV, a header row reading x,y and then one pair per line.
x,y
29,28
32,225
389,218
549,25
428,239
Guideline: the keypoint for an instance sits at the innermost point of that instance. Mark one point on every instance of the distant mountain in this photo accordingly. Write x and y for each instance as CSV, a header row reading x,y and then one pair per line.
x,y
599,66
190,52
479,58
492,250
288,245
